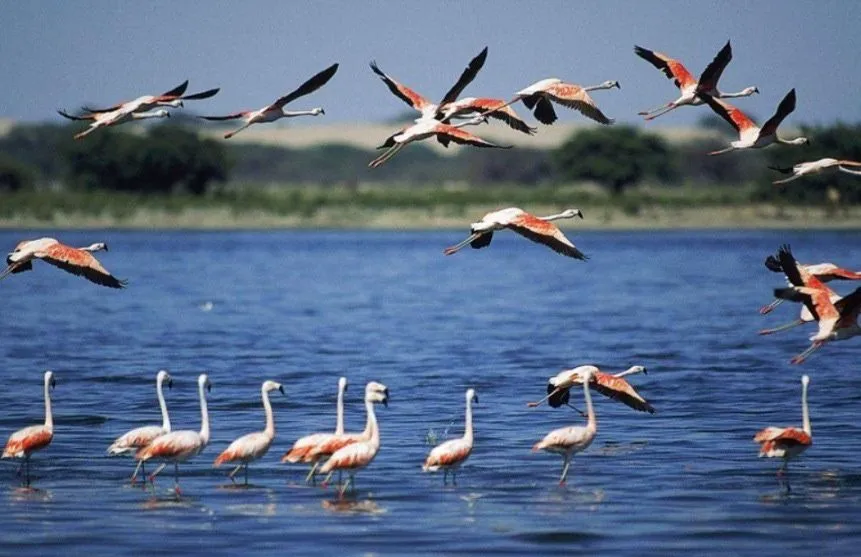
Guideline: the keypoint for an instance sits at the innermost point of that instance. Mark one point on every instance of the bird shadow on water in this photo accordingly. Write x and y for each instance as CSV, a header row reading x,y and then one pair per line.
x,y
353,506
24,493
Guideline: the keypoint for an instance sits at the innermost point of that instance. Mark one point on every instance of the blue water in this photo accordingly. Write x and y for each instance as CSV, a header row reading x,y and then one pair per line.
x,y
304,308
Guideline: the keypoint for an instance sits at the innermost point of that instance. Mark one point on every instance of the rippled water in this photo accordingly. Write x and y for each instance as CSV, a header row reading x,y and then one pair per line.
x,y
306,307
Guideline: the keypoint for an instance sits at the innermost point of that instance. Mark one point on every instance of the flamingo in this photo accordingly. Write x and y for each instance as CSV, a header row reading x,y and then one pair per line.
x,y
825,272
686,83
180,446
425,128
275,111
537,98
28,440
569,441
837,321
750,136
252,446
450,455
139,437
787,442
537,229
815,167
359,455
172,98
78,261
469,107
304,445
113,118
610,385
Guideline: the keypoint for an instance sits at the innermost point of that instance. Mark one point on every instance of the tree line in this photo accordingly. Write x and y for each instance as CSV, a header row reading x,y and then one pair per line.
x,y
168,158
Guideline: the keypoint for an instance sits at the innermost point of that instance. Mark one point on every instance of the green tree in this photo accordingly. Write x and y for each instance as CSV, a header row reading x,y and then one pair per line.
x,y
15,175
615,156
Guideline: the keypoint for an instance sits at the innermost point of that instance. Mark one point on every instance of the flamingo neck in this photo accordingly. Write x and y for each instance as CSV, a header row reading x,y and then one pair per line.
x,y
165,419
204,415
805,415
49,418
270,419
339,424
796,141
590,412
556,217
292,113
737,94
145,115
630,371
467,433
598,87
373,429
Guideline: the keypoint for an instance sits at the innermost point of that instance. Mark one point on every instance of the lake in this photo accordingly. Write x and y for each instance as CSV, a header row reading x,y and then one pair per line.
x,y
305,307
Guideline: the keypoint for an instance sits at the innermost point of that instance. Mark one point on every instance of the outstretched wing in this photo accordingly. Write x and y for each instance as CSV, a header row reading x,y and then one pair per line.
x,y
574,96
306,88
81,263
671,67
547,233
65,114
711,75
202,95
493,108
462,137
784,109
466,77
401,91
736,118
233,116
620,390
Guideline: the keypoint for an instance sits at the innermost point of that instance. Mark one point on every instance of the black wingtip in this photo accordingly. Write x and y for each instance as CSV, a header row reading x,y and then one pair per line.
x,y
773,265
786,170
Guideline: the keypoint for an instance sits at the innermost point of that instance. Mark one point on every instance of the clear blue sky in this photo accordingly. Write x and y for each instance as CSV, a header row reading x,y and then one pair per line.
x,y
62,54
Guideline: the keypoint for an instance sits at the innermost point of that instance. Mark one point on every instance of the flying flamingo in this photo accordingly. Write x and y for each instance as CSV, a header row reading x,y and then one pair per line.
x,y
275,111
469,107
252,446
140,437
425,128
815,167
610,385
180,446
686,83
537,98
569,441
450,455
172,98
304,445
359,455
825,272
28,440
537,229
787,442
113,118
750,136
78,261
837,321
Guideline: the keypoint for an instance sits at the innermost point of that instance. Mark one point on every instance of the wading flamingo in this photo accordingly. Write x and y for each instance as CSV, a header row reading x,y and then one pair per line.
x,y
425,128
304,445
180,446
252,446
815,167
537,98
172,98
686,83
787,442
825,272
28,440
751,136
275,111
450,455
78,261
569,441
537,229
140,437
359,455
114,118
610,385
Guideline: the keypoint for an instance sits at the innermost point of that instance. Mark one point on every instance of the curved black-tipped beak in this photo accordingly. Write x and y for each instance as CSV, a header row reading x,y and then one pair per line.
x,y
170,383
322,111
475,398
618,85
281,388
580,214
209,387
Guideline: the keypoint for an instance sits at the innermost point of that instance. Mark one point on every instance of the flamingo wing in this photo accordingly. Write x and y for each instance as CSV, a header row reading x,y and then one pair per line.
x,y
773,438
233,116
462,137
543,111
135,439
620,390
796,276
81,263
465,78
450,453
564,438
849,308
248,447
352,457
574,96
303,446
671,67
401,91
27,440
711,75
167,95
196,96
495,108
306,88
841,274
547,233
736,118
784,109
65,114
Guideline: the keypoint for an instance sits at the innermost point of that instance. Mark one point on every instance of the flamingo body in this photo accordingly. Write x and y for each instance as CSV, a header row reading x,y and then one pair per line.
x,y
787,442
450,455
78,261
29,440
538,96
139,437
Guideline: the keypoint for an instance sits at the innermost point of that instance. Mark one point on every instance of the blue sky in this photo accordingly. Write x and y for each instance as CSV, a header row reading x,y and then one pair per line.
x,y
62,54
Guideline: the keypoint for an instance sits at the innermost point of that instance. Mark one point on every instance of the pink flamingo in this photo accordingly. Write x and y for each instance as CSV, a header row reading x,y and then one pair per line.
x,y
300,452
815,167
172,98
569,441
537,98
537,229
180,446
140,437
114,118
449,456
610,385
825,272
252,446
28,440
78,261
787,442
358,455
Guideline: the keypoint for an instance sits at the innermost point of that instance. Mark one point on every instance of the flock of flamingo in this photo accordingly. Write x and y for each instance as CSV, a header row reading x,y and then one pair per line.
x,y
339,451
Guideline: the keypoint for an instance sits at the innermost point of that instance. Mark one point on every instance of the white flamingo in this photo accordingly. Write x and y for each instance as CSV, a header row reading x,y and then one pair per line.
x,y
28,440
787,442
113,118
814,167
449,456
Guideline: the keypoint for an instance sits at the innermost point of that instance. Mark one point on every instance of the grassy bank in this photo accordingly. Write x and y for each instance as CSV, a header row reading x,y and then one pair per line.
x,y
451,206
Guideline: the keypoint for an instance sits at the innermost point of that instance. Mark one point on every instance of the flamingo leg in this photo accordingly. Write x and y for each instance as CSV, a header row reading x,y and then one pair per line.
x,y
156,473
790,325
139,467
787,180
534,404
721,151
233,473
228,135
27,463
661,112
572,407
176,478
770,307
311,478
391,152
657,108
445,476
9,270
803,356
455,248
246,474
454,476
565,467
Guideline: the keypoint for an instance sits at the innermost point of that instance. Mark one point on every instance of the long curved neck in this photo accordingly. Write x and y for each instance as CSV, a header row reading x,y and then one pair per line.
x,y
556,217
165,419
204,415
805,415
145,115
49,418
339,424
742,93
467,433
270,419
292,113
598,87
796,141
372,430
590,412
629,371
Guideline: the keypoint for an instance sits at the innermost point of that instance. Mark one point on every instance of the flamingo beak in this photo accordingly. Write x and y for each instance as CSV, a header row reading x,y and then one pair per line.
x,y
170,383
105,246
281,388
